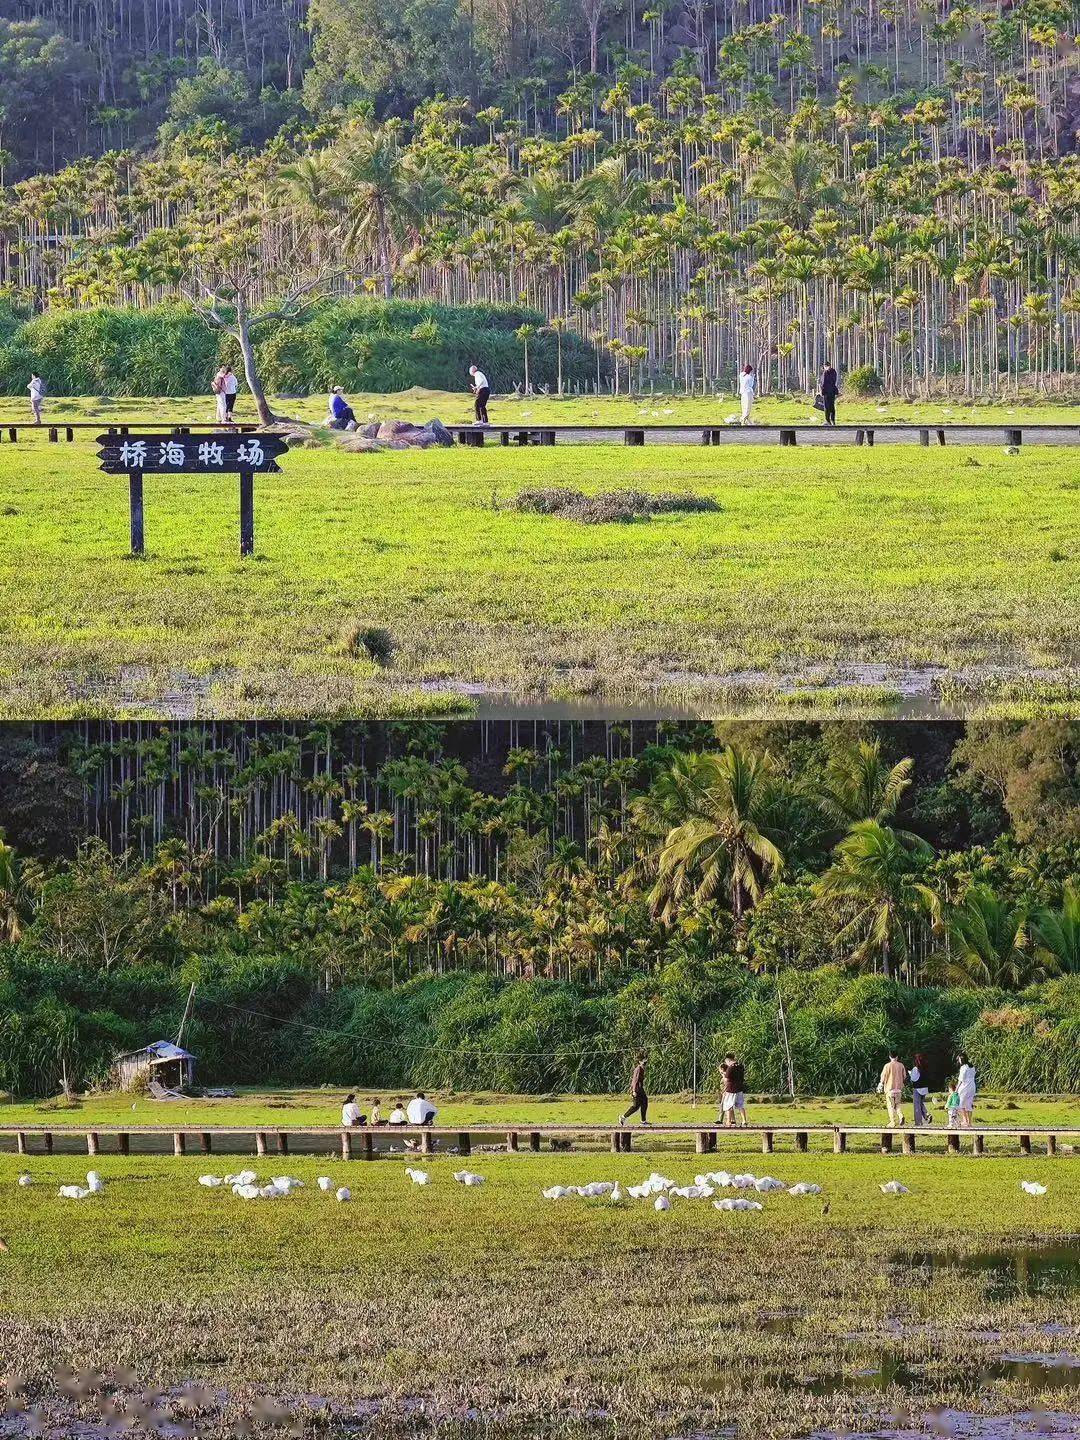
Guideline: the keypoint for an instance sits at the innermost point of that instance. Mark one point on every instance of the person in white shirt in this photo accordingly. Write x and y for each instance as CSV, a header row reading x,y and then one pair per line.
x,y
350,1113
229,386
966,1089
37,395
482,393
397,1115
747,387
421,1111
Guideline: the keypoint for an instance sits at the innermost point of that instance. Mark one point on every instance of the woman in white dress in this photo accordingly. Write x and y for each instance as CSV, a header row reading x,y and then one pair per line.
x,y
218,387
965,1090
747,387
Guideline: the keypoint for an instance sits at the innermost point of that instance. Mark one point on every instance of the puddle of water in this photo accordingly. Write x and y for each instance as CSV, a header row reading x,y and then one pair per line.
x,y
1027,1271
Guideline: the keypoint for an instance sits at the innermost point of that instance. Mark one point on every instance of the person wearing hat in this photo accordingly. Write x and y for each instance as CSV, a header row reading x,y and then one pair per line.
x,y
341,412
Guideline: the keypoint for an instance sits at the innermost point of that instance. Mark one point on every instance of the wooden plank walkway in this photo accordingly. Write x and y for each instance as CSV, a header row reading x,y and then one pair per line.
x,y
785,435
663,434
361,1139
65,429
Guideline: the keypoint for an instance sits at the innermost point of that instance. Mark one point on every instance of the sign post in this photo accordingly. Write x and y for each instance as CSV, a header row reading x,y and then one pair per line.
x,y
138,455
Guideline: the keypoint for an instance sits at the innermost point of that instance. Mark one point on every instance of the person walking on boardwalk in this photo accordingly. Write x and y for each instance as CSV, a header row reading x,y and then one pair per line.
x,y
229,387
830,388
37,395
891,1085
481,392
747,389
217,385
919,1091
733,1100
639,1098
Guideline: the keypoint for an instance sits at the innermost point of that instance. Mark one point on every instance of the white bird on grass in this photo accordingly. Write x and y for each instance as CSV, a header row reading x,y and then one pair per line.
x,y
74,1192
246,1192
767,1183
25,1180
557,1192
242,1177
287,1183
616,1195
893,1187
271,1192
325,1183
805,1188
210,1181
661,1203
693,1192
596,1188
418,1177
94,1182
1031,1187
743,1182
466,1177
737,1203
343,1194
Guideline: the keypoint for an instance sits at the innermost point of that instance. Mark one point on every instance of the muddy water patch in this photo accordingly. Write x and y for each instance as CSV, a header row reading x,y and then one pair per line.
x,y
1024,1272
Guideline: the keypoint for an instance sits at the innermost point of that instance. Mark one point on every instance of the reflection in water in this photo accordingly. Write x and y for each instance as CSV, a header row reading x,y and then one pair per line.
x,y
1026,1271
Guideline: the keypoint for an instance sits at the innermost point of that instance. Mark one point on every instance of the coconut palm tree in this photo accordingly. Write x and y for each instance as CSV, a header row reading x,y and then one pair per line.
x,y
381,196
990,943
719,842
859,785
874,870
1057,932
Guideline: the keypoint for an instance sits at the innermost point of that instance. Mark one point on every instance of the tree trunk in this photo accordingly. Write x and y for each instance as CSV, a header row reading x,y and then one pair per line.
x,y
242,334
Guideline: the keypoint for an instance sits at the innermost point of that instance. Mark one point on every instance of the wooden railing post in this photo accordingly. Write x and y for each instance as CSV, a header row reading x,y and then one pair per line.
x,y
978,1145
367,1145
1025,1144
179,1143
123,1143
346,1145
260,1142
801,1141
92,1142
205,1142
1051,1144
534,1141
426,1146
48,1139
839,1142
20,1143
512,1140
627,1140
282,1143
886,1142
952,1142
464,1144
909,1142
767,1142
616,1142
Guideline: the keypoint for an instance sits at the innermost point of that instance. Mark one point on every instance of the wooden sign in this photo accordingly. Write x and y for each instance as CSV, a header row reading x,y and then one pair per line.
x,y
136,455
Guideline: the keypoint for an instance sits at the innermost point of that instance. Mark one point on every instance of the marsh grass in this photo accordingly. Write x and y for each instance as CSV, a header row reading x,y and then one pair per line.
x,y
817,563
538,1316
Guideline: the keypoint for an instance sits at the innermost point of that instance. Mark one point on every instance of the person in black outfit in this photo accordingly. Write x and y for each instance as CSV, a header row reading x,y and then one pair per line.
x,y
639,1099
830,388
481,393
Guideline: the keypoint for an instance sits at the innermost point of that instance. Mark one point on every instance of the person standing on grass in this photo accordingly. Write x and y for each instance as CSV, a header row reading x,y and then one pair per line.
x,y
919,1091
638,1097
733,1100
830,388
891,1085
481,392
37,395
217,385
229,387
966,1089
747,388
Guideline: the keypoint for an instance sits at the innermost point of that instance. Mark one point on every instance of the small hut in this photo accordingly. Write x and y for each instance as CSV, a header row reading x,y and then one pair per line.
x,y
163,1064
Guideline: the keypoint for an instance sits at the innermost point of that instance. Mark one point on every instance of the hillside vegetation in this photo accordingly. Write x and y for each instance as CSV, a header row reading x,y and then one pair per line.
x,y
348,919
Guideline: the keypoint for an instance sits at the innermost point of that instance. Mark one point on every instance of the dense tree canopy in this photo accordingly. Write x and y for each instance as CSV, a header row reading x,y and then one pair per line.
x,y
894,189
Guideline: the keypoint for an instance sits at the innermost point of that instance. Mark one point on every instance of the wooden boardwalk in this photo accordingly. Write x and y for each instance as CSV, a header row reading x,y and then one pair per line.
x,y
366,1142
867,433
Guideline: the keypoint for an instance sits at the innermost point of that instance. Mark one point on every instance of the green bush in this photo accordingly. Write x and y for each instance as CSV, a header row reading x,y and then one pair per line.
x,y
864,380
362,344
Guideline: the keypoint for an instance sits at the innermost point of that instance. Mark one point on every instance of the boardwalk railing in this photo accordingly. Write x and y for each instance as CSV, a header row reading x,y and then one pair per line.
x,y
65,429
361,1140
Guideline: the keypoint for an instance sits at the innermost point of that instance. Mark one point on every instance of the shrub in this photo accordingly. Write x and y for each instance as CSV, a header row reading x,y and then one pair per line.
x,y
864,380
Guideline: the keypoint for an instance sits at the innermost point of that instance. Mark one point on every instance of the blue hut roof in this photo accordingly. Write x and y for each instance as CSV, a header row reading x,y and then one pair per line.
x,y
160,1050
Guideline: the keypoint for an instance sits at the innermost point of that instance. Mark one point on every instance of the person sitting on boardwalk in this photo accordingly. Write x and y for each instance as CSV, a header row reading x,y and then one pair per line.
x,y
830,388
421,1111
342,415
747,387
733,1100
374,1113
397,1115
639,1099
37,395
350,1113
891,1085
482,392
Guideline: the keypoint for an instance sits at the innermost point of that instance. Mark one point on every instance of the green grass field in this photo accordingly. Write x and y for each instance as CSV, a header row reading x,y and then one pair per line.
x,y
547,1317
891,581
268,1108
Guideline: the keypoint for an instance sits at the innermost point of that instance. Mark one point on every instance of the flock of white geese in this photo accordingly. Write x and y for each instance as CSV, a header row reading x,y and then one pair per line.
x,y
658,1188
